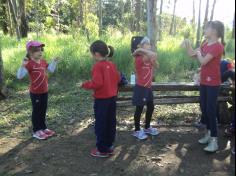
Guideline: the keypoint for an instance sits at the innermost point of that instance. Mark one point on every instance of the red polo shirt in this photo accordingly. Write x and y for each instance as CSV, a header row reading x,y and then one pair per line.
x,y
105,80
144,72
210,73
38,76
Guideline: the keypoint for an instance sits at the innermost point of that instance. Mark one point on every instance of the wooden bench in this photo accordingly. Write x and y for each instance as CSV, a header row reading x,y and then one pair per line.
x,y
175,93
225,95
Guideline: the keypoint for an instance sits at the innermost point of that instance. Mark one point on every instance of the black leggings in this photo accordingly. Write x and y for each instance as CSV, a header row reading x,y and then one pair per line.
x,y
138,113
39,104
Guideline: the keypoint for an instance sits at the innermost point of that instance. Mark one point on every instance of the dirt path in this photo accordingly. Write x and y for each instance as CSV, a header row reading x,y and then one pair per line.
x,y
174,152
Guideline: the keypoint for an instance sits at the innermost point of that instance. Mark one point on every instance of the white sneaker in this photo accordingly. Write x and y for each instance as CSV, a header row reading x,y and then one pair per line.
x,y
151,131
212,146
40,135
206,138
140,135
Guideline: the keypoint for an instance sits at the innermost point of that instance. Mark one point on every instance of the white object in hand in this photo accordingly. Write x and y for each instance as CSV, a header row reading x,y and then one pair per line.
x,y
132,79
196,79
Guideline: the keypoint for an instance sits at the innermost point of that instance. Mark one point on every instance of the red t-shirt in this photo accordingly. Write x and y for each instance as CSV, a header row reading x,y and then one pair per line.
x,y
210,73
144,72
105,80
38,76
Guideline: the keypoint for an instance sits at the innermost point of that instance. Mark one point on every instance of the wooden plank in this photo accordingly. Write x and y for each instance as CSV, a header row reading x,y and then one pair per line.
x,y
175,87
171,101
124,98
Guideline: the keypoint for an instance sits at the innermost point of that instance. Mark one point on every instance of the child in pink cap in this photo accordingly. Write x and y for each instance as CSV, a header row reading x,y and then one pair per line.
x,y
34,65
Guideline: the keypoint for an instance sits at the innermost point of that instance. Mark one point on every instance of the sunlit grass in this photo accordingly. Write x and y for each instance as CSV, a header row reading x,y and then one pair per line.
x,y
76,65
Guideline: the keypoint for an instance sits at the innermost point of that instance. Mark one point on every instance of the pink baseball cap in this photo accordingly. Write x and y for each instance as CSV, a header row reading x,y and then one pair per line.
x,y
34,44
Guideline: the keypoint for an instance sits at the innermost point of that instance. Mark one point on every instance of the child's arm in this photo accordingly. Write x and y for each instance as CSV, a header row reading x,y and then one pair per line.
x,y
204,60
52,66
148,53
155,63
96,82
191,52
22,71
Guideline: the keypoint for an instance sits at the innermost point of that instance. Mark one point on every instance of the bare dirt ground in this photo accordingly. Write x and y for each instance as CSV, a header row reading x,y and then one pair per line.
x,y
175,152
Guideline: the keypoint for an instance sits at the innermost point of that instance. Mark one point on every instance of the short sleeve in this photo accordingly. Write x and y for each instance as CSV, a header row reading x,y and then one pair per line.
x,y
45,63
216,50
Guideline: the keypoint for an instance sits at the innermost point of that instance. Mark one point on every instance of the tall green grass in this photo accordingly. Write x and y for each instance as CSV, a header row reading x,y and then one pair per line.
x,y
76,65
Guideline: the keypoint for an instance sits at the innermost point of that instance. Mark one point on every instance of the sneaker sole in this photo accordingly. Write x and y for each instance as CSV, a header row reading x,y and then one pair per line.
x,y
99,156
36,137
203,143
139,138
211,151
51,135
152,134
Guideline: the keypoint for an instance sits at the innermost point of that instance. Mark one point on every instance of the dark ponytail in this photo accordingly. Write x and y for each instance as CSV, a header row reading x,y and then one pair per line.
x,y
27,56
220,29
101,47
111,51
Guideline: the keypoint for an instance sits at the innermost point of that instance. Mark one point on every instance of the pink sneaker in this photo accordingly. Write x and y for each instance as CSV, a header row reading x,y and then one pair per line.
x,y
49,133
96,153
40,135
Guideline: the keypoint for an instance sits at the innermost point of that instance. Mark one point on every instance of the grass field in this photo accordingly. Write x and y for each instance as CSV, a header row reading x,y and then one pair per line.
x,y
175,65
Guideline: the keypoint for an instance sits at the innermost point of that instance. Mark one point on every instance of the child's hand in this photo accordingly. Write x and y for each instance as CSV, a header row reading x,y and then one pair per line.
x,y
153,61
57,59
199,54
146,59
25,62
137,52
79,85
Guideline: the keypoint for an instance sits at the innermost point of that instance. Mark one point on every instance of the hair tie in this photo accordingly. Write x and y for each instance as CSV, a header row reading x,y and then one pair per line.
x,y
109,51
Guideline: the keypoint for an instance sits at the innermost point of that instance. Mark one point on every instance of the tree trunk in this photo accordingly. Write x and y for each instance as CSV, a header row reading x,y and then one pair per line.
x,y
2,95
173,20
23,22
213,10
233,32
4,14
160,20
100,17
122,4
194,15
138,7
9,18
152,22
132,21
58,16
199,26
14,17
206,14
80,19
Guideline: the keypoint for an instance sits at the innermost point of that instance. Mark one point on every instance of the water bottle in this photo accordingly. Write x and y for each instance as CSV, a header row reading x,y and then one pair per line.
x,y
132,79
